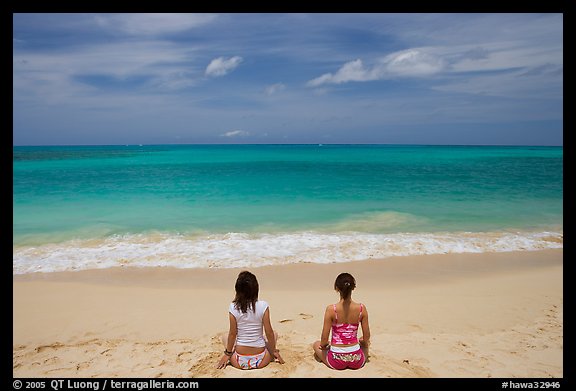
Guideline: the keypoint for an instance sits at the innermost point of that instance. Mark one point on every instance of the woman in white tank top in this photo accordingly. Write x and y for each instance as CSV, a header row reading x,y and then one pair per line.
x,y
246,347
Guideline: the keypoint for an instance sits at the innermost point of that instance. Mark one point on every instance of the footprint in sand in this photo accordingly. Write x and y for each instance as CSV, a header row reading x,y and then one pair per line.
x,y
302,315
51,371
55,345
51,360
83,365
184,356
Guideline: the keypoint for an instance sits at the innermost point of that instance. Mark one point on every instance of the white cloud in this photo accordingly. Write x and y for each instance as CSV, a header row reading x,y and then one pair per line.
x,y
412,62
153,24
408,63
351,71
236,133
274,88
221,66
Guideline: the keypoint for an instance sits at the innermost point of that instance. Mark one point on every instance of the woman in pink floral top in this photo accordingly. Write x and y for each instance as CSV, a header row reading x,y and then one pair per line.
x,y
344,318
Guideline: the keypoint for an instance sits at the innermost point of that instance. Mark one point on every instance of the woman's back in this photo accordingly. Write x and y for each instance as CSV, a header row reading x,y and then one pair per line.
x,y
347,317
250,327
343,320
249,319
347,312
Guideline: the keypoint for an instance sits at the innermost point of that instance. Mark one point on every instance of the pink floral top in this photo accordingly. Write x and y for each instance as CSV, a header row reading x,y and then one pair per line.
x,y
345,333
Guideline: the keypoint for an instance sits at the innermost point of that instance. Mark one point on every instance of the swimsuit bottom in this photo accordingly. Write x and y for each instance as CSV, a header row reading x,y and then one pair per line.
x,y
250,361
346,357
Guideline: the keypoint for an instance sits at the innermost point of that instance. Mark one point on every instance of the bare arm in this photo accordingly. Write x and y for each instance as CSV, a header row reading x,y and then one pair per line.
x,y
232,333
365,327
271,337
326,327
268,330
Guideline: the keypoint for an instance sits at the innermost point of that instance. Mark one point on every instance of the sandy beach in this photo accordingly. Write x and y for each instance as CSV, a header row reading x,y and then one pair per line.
x,y
453,315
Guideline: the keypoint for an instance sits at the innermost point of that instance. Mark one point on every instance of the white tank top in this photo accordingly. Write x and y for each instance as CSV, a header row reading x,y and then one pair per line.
x,y
250,326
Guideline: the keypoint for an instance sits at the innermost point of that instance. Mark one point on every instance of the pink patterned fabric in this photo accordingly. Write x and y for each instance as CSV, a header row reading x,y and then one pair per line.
x,y
352,360
345,333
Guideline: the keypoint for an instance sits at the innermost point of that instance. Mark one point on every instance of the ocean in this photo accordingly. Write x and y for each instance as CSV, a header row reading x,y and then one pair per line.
x,y
189,206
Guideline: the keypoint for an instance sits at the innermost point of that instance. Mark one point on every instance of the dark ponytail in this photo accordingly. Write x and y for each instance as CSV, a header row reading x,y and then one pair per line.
x,y
345,284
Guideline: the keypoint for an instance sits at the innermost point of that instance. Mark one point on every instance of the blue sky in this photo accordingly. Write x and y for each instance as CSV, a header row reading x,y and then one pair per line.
x,y
288,78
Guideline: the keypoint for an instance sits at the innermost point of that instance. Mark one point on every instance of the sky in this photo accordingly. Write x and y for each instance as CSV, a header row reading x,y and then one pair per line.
x,y
465,79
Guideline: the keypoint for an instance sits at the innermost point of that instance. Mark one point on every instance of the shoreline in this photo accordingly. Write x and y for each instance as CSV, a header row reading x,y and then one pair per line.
x,y
417,266
191,251
452,315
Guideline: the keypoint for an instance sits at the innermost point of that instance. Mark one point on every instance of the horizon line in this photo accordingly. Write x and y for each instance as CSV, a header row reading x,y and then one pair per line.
x,y
317,144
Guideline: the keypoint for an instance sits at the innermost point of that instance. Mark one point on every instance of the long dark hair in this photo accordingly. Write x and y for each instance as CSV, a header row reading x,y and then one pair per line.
x,y
246,292
345,284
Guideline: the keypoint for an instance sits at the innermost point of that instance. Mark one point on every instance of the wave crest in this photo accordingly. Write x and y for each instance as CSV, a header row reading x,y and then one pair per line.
x,y
253,250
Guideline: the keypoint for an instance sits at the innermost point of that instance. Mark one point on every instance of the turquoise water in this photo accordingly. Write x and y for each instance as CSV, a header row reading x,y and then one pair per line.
x,y
247,205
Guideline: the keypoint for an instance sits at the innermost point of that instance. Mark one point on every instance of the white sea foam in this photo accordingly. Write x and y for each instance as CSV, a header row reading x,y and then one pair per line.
x,y
253,250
